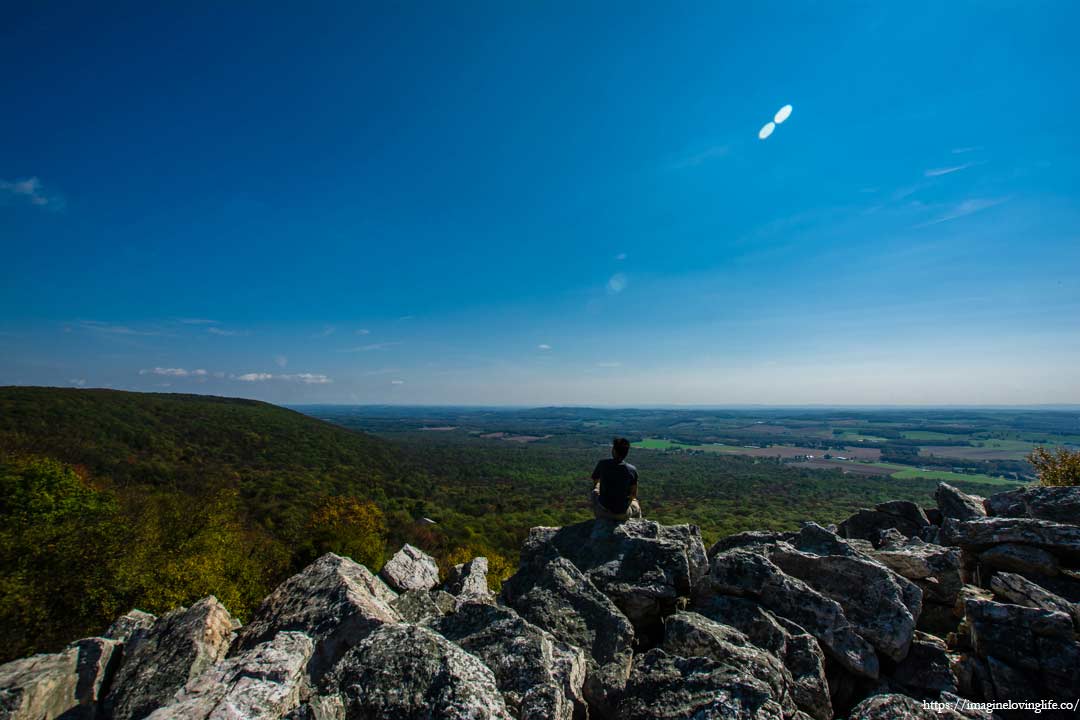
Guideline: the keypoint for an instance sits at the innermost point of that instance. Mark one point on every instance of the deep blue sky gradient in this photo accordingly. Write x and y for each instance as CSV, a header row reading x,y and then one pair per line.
x,y
531,203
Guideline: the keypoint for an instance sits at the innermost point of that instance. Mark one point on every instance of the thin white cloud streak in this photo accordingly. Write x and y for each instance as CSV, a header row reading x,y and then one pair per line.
x,y
325,332
221,332
371,347
111,329
967,207
305,378
174,372
363,331
961,150
621,256
30,189
78,382
608,364
938,172
543,346
711,153
197,321
397,382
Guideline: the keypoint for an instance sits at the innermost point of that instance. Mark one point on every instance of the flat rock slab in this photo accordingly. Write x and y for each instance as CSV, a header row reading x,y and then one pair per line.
x,y
1062,540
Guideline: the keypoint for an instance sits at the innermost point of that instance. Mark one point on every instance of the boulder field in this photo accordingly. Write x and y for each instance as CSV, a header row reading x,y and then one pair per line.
x,y
898,612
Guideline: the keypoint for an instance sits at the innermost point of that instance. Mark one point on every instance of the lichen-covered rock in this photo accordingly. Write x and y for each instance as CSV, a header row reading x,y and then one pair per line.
x,y
641,565
745,573
129,626
1059,504
178,647
1014,557
816,540
410,672
934,568
663,687
468,581
1018,590
259,684
328,600
410,569
556,596
1058,538
749,538
882,606
538,675
689,634
796,648
417,606
906,517
66,684
954,503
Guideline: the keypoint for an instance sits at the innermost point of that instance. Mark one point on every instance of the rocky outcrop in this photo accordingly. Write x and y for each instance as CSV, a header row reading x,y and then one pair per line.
x,y
330,601
410,569
538,675
953,503
1057,504
631,620
176,649
413,673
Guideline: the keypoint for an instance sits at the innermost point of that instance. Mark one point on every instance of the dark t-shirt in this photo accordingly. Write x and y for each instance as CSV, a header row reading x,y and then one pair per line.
x,y
616,479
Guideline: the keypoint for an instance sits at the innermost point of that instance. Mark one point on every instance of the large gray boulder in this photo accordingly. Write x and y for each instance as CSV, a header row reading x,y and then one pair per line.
x,y
1058,504
538,675
934,568
745,573
410,672
468,581
129,626
796,648
1037,648
177,648
664,687
881,606
410,569
906,517
1062,540
556,596
954,503
1014,557
330,601
418,606
927,670
749,538
1018,590
644,567
263,683
689,634
68,683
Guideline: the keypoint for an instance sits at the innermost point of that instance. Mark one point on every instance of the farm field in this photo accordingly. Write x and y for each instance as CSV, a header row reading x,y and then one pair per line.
x,y
783,451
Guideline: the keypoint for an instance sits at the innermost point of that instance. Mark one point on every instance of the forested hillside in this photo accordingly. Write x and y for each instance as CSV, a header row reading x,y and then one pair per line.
x,y
112,500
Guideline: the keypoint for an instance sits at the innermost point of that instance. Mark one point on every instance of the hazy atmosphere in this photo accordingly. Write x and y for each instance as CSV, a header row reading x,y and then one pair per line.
x,y
544,203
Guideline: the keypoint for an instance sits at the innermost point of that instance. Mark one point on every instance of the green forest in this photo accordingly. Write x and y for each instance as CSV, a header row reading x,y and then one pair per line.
x,y
111,500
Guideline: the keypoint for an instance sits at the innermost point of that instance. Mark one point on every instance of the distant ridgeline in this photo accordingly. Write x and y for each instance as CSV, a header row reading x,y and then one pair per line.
x,y
900,612
111,500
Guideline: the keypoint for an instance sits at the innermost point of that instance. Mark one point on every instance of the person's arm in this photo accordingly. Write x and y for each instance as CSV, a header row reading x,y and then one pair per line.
x,y
633,491
596,476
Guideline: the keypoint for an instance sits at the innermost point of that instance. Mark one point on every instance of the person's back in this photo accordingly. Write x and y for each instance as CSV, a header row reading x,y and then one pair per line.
x,y
615,485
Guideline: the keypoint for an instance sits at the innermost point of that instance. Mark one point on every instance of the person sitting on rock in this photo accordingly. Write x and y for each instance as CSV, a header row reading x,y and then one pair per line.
x,y
615,483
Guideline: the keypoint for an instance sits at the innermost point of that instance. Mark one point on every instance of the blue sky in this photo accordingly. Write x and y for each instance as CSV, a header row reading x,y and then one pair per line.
x,y
540,203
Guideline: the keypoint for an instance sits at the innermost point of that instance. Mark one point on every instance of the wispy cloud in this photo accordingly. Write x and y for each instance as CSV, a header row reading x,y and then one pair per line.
x,y
965,208
174,372
407,317
325,332
543,346
78,382
608,364
397,382
222,332
305,378
31,190
281,361
196,321
112,329
620,256
363,331
617,283
697,158
937,172
961,150
371,347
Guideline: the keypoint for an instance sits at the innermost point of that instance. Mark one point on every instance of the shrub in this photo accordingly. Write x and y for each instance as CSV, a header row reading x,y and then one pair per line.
x,y
1061,467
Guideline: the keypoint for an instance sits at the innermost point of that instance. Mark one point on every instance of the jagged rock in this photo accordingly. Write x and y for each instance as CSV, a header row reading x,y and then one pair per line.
x,y
749,538
906,517
1058,504
641,565
798,649
662,686
688,634
129,625
1018,590
1062,540
319,707
417,606
178,647
927,669
468,581
882,606
747,574
410,569
1013,557
555,595
901,707
934,515
260,684
330,601
957,504
410,672
539,676
68,683
814,539
1038,647
934,568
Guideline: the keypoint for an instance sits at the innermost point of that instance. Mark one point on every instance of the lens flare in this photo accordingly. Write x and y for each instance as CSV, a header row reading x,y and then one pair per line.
x,y
766,131
782,114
